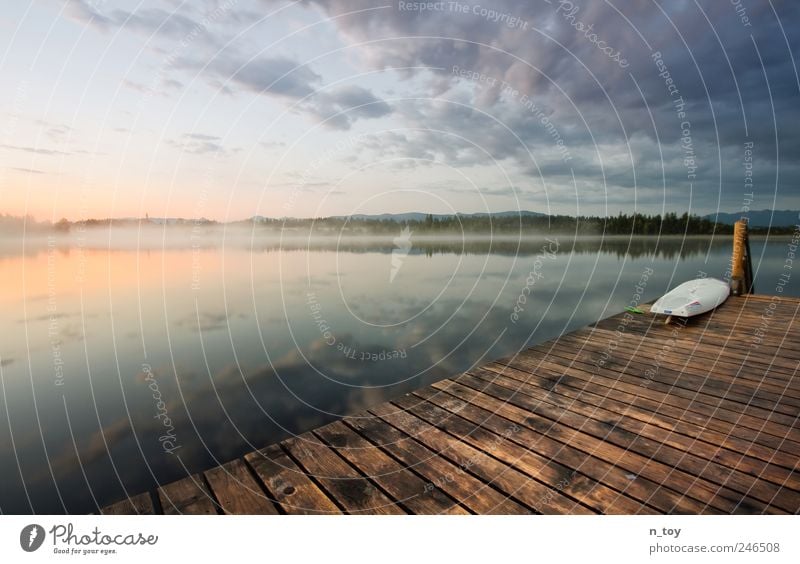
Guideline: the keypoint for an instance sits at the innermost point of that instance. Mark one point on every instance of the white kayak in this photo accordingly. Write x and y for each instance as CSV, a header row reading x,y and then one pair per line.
x,y
692,298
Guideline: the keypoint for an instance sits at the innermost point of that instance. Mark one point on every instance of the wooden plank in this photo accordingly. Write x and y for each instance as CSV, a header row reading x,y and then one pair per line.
x,y
542,421
777,451
135,505
613,429
721,419
559,478
687,378
237,491
405,487
289,486
643,490
725,361
538,496
617,369
439,472
722,352
730,412
189,496
763,462
352,491
744,378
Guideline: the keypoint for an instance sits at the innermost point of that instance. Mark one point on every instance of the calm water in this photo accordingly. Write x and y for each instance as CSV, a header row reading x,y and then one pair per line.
x,y
122,368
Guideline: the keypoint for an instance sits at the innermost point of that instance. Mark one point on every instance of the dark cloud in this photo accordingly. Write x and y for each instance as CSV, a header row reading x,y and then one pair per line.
x,y
738,83
149,21
277,76
295,83
341,107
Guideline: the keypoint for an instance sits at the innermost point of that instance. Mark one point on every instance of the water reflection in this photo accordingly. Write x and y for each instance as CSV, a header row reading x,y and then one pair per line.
x,y
236,344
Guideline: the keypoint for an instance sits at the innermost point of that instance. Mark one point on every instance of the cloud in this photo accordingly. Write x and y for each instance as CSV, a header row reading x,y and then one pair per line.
x,y
34,150
294,83
57,132
209,321
149,21
596,104
28,170
341,107
85,12
201,144
277,76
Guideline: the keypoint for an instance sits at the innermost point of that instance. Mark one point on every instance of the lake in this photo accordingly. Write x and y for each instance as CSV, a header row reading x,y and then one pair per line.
x,y
130,363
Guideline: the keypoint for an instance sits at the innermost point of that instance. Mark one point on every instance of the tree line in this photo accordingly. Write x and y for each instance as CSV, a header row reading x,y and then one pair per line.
x,y
524,224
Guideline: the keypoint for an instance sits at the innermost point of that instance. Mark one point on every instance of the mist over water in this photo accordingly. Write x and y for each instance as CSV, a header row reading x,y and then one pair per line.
x,y
133,358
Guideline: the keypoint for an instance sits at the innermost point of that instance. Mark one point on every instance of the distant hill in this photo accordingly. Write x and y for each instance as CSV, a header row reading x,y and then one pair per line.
x,y
419,216
760,218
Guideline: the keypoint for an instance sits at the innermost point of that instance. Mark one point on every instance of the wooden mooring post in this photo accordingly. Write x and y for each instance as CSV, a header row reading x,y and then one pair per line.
x,y
742,265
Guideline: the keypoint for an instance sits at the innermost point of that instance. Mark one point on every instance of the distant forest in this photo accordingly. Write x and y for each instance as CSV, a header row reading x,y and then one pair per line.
x,y
526,224
622,224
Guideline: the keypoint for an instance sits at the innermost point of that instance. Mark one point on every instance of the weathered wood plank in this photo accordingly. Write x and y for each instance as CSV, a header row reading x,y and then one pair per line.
x,y
560,479
730,412
782,452
135,505
404,486
354,492
615,430
291,487
644,490
471,492
189,496
237,491
534,494
620,369
549,422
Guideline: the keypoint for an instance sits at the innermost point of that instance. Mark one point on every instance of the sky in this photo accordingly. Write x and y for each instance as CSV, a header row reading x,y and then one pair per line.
x,y
227,109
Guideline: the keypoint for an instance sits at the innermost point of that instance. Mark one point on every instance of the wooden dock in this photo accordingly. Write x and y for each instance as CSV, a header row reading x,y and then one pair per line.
x,y
626,416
